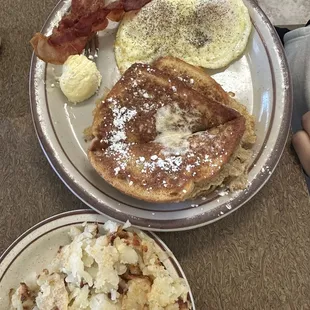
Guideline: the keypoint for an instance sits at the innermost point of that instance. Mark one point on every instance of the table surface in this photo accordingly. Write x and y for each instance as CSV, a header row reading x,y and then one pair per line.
x,y
257,258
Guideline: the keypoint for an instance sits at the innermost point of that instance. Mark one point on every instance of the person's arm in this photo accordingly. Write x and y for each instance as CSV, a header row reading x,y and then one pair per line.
x,y
297,48
301,143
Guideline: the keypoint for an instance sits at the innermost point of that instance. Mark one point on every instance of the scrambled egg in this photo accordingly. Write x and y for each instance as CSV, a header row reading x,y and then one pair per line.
x,y
205,33
120,270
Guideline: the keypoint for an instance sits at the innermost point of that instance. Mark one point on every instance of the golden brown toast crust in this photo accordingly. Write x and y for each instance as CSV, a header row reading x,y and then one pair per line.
x,y
194,77
199,80
125,151
138,88
210,150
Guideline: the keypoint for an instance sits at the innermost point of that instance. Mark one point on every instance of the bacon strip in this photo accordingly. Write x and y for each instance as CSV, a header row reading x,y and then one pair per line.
x,y
77,27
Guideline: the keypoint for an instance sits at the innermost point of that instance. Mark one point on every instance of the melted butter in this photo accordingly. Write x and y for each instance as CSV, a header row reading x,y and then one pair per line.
x,y
174,142
174,126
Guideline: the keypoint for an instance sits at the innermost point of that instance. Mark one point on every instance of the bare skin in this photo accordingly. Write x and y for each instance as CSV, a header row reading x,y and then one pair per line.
x,y
301,143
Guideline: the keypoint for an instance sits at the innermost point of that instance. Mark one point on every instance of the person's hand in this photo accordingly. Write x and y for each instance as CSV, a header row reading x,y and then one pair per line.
x,y
301,143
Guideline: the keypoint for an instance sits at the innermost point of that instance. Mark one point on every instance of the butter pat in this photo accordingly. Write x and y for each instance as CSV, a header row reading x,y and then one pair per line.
x,y
80,78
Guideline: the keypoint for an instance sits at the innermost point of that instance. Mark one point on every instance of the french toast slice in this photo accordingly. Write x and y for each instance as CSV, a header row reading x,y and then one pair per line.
x,y
235,173
199,80
159,140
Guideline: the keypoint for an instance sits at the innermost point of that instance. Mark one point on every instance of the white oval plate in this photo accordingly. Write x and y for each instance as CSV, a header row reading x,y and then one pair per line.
x,y
34,250
260,81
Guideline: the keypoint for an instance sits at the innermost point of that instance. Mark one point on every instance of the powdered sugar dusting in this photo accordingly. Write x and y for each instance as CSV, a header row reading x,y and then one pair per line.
x,y
169,164
118,146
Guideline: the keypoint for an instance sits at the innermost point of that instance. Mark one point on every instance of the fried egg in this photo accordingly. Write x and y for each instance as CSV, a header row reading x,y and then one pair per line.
x,y
205,33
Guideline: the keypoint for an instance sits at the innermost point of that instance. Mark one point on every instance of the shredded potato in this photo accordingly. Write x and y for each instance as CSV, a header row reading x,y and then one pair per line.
x,y
117,270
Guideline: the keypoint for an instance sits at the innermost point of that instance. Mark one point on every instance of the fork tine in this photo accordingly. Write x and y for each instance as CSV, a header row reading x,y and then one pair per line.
x,y
87,49
92,48
96,42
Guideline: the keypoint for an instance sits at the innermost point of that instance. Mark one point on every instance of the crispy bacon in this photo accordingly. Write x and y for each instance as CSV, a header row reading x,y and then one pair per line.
x,y
78,26
132,5
82,7
116,15
56,54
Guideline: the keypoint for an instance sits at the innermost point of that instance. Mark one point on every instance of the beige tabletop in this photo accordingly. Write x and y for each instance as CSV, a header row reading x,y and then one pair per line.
x,y
256,258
